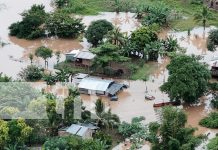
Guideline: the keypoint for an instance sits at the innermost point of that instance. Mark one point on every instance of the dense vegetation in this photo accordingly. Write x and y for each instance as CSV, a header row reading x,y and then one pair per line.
x,y
172,134
213,144
211,121
31,25
188,79
37,23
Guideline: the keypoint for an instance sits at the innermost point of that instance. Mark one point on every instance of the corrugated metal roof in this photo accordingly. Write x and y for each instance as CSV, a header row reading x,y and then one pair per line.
x,y
85,55
94,84
77,130
114,88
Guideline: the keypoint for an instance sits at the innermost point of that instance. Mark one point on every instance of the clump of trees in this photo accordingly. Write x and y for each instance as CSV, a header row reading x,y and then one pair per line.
x,y
31,25
97,30
37,23
211,121
14,133
188,79
31,73
4,78
212,41
171,133
62,25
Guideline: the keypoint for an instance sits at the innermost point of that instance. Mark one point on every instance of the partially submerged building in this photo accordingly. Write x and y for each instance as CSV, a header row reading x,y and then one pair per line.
x,y
98,86
80,57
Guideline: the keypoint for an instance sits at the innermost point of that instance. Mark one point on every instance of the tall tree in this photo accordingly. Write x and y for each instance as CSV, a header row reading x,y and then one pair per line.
x,y
203,16
45,53
97,30
188,79
58,56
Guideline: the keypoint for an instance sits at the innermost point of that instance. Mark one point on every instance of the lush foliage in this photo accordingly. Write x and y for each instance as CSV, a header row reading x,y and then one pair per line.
x,y
212,42
14,132
68,143
210,121
62,25
172,135
31,73
158,13
188,79
31,25
106,54
101,136
97,30
213,144
105,118
44,52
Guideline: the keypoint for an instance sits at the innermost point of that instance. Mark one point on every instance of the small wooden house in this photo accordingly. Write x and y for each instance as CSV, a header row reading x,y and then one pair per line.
x,y
80,57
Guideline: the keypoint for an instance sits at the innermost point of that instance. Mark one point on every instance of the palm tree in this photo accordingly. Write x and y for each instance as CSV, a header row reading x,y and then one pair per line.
x,y
106,119
116,37
31,58
203,16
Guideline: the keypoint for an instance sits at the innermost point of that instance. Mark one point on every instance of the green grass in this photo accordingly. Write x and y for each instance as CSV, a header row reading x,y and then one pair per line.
x,y
143,72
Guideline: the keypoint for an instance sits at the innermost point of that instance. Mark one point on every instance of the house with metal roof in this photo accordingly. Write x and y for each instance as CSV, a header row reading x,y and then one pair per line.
x,y
80,57
98,86
83,131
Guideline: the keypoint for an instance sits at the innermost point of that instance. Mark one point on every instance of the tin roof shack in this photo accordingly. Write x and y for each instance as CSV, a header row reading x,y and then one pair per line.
x,y
212,4
80,57
84,131
97,86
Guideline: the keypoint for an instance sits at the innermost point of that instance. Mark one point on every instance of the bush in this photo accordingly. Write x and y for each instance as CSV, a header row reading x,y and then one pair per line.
x,y
31,73
211,121
101,136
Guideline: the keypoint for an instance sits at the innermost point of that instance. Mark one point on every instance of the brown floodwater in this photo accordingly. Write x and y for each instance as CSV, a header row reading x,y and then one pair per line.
x,y
131,101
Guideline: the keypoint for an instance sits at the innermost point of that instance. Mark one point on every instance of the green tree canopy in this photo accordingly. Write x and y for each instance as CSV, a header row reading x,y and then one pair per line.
x,y
106,54
97,30
62,25
44,52
212,41
188,79
173,135
142,36
31,25
4,137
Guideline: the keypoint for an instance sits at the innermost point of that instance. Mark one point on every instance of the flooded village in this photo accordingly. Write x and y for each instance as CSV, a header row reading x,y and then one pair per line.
x,y
123,96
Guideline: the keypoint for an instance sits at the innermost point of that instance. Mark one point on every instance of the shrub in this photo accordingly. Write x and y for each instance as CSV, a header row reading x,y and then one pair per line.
x,y
211,121
103,137
31,73
213,144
